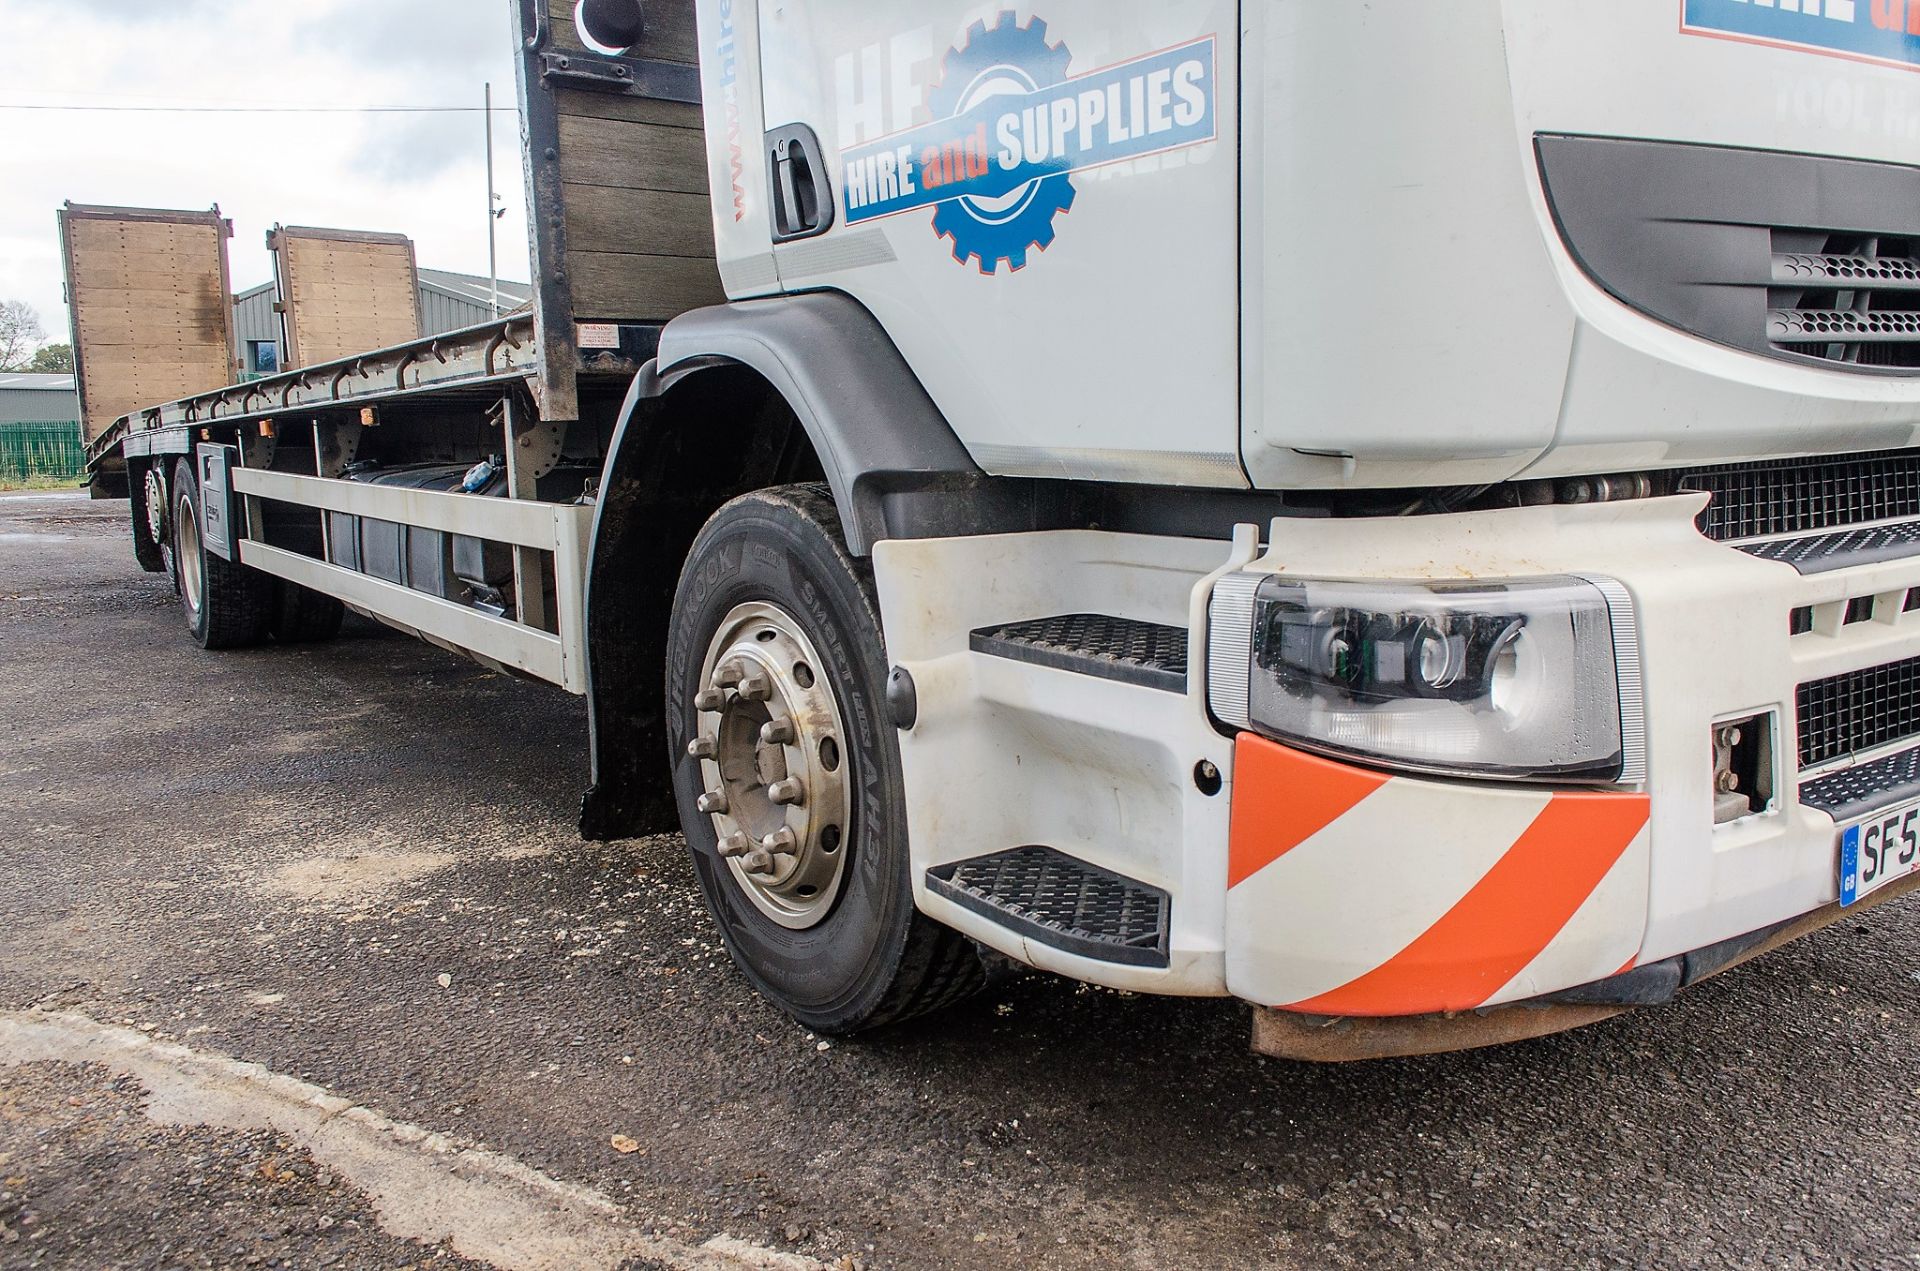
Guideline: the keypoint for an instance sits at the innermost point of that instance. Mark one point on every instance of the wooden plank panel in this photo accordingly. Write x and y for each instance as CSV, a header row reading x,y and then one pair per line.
x,y
346,293
633,110
632,156
657,222
151,315
618,287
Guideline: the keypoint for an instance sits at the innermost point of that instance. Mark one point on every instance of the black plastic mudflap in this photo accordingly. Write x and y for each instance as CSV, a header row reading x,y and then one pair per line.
x,y
1062,902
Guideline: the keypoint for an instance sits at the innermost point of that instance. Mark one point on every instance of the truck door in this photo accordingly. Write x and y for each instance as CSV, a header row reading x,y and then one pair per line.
x,y
1039,206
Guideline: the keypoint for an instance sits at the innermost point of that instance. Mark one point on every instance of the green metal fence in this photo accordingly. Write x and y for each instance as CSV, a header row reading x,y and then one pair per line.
x,y
42,448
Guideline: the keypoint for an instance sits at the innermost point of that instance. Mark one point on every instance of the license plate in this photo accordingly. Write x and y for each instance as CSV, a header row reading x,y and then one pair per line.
x,y
1878,850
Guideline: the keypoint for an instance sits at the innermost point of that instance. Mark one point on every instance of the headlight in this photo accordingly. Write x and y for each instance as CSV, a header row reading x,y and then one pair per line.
x,y
1529,679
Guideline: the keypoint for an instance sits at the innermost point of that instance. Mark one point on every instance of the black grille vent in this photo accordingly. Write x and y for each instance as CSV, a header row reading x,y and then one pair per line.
x,y
1804,496
1845,714
1847,298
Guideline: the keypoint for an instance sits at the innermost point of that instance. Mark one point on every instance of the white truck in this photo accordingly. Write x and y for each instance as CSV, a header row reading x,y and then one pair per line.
x,y
1404,514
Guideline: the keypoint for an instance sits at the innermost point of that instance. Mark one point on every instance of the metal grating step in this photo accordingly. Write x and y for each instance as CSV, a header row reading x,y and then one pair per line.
x,y
1124,649
1062,902
1842,549
1852,793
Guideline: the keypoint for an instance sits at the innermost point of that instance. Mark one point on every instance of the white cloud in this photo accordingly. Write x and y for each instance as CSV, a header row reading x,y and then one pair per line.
x,y
418,174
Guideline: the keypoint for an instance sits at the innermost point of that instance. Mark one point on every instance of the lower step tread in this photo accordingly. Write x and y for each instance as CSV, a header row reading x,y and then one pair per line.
x,y
1064,902
1850,793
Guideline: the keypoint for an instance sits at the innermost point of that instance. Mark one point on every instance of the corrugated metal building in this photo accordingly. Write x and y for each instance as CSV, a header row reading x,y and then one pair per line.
x,y
448,302
38,399
39,428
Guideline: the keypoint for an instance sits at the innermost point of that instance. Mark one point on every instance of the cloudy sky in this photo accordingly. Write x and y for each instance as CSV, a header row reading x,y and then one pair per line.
x,y
418,174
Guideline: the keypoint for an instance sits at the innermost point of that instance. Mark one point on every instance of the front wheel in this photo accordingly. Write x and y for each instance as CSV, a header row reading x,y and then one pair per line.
x,y
787,771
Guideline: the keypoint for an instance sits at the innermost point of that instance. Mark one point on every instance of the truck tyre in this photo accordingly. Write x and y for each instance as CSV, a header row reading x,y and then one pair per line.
x,y
304,616
227,605
787,770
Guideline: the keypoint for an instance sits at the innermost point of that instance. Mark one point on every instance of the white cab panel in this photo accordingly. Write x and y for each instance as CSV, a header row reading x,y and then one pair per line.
x,y
1040,208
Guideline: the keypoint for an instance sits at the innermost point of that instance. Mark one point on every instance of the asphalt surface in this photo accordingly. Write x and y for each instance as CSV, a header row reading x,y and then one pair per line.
x,y
355,865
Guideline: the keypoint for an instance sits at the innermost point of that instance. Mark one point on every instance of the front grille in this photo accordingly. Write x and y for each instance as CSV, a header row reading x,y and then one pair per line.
x,y
1845,714
1804,496
1808,259
1846,298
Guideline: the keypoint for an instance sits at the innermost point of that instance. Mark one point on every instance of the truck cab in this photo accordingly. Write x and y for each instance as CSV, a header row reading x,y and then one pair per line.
x,y
1574,348
1405,515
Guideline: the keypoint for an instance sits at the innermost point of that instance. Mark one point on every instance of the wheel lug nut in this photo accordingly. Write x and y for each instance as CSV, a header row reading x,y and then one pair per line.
x,y
756,688
709,700
781,843
758,862
777,732
791,791
735,845
729,675
703,748
713,802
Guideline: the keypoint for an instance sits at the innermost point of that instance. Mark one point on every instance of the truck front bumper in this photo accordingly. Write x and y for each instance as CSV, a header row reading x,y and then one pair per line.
x,y
1358,894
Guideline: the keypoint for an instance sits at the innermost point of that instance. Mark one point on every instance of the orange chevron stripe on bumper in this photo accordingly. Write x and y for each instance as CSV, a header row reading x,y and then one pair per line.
x,y
1505,886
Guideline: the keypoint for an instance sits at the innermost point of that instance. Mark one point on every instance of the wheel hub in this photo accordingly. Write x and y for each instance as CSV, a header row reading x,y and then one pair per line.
x,y
769,743
156,496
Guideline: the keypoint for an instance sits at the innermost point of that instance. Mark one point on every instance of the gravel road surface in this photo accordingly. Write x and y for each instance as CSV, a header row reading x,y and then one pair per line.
x,y
301,963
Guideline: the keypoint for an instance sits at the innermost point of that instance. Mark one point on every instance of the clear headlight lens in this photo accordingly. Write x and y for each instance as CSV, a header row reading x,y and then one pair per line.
x,y
1512,680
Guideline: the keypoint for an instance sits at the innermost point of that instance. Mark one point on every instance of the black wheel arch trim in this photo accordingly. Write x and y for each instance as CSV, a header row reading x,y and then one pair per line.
x,y
875,429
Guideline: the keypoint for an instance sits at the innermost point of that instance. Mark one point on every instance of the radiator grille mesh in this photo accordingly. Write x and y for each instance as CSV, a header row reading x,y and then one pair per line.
x,y
1801,496
1845,714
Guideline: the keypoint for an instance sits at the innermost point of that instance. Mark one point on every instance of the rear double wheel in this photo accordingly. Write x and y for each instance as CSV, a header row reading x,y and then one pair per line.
x,y
787,770
226,605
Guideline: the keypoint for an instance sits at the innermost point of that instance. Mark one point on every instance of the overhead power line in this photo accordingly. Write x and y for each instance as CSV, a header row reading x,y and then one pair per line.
x,y
265,110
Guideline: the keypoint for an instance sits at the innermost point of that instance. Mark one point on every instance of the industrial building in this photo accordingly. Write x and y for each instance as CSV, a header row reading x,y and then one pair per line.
x,y
38,399
448,302
39,428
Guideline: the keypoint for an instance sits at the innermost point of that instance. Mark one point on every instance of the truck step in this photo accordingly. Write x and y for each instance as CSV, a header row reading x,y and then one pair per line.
x,y
1066,903
1126,649
1842,549
1851,793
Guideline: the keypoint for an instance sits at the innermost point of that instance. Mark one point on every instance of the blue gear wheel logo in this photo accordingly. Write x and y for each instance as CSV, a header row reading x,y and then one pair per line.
x,y
1002,231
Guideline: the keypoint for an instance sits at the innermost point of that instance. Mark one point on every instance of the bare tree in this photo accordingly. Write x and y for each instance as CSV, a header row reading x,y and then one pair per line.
x,y
20,334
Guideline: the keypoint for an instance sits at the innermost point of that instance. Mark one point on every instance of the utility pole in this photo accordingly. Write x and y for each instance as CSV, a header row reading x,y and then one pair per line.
x,y
493,212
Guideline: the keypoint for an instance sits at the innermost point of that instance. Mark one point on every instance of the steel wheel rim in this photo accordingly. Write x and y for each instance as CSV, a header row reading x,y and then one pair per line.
x,y
156,497
186,550
773,761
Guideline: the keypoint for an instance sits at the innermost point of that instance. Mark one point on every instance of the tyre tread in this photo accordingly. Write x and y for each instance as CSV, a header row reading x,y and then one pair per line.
x,y
304,616
938,966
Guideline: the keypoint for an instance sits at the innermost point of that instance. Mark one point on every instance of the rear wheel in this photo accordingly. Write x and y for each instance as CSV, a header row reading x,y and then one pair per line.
x,y
227,605
304,616
787,771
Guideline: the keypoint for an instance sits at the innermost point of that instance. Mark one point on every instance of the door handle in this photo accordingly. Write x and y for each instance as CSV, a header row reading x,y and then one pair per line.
x,y
802,194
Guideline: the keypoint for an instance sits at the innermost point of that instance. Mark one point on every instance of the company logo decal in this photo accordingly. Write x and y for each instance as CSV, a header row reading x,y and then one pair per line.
x,y
1009,128
1885,31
